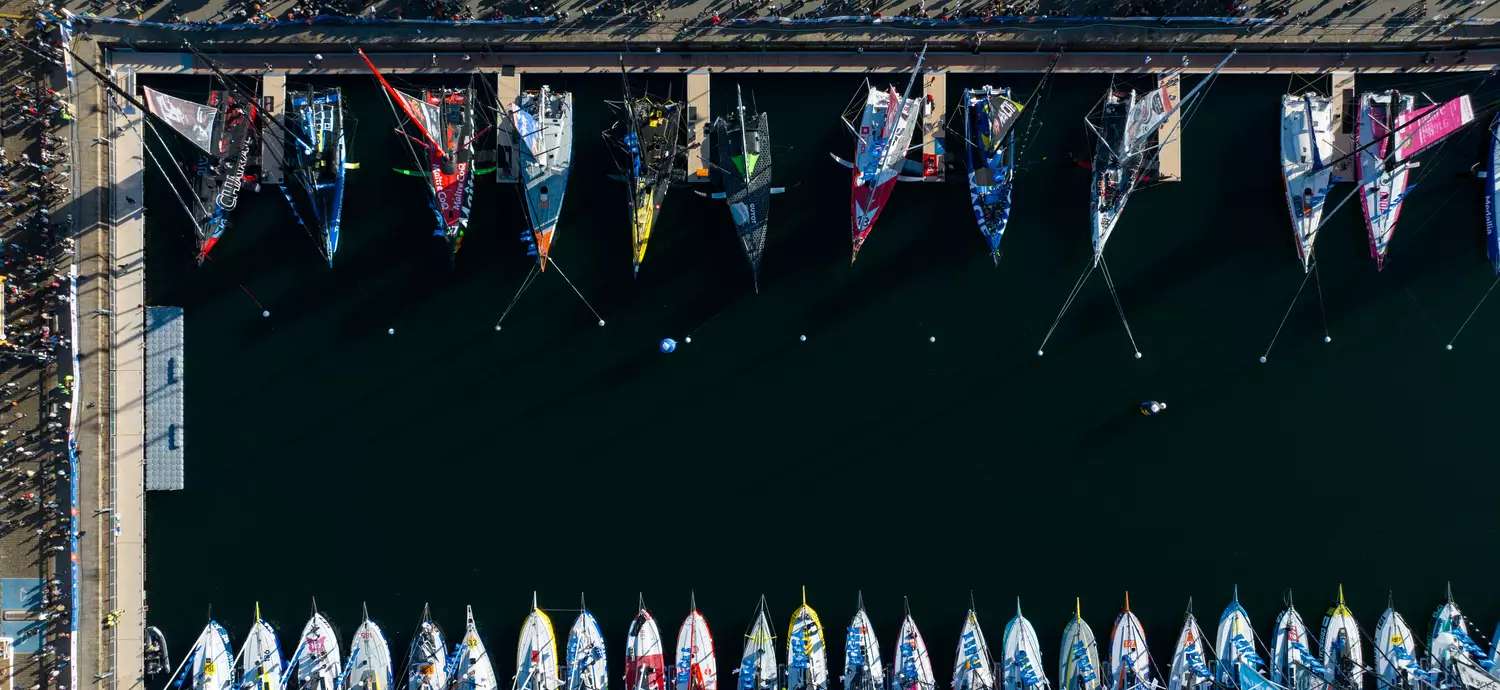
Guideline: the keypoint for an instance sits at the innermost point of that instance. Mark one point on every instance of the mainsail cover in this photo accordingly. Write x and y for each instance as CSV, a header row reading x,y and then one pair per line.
x,y
194,121
1146,116
1433,123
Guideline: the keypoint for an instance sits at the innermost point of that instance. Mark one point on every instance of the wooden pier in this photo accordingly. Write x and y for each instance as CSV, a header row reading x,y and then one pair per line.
x,y
507,88
1345,115
273,104
1169,158
934,137
698,103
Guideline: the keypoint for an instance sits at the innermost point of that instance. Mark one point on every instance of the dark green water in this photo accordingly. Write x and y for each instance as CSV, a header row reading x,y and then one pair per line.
x,y
456,465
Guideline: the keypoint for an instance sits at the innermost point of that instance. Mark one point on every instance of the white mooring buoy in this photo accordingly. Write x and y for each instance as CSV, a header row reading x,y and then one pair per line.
x,y
688,340
390,331
1327,339
801,338
932,339
1263,360
266,314
1137,355
601,323
1039,353
1450,347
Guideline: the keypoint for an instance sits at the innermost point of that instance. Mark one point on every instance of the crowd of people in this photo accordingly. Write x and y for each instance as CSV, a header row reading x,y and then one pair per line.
x,y
37,248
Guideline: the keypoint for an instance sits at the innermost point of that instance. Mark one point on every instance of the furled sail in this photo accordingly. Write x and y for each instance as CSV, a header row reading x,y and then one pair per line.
x,y
1433,123
192,120
1005,114
432,120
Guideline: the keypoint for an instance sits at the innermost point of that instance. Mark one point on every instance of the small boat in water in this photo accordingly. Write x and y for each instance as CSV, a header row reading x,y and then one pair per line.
x,y
536,653
260,658
696,668
1396,665
1129,658
1078,668
315,161
757,669
1235,643
1293,665
1021,663
158,660
645,664
223,130
1306,148
650,139
1343,652
886,124
912,664
1387,143
585,662
973,667
369,663
544,126
743,144
471,668
806,650
427,661
862,667
989,118
317,661
446,120
1189,657
208,665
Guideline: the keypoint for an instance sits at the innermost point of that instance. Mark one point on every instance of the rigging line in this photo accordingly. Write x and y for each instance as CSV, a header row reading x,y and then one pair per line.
x,y
173,185
531,276
1426,315
1110,281
1067,303
1474,311
575,291
1281,325
1318,279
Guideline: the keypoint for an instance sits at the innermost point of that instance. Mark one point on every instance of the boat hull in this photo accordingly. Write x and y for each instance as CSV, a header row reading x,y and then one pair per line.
x,y
319,662
586,659
427,660
1129,657
1492,198
758,662
536,654
863,669
1306,147
1189,661
1395,651
744,152
1021,662
472,669
544,123
369,660
991,160
209,667
696,667
1078,668
885,131
644,660
806,652
973,668
1382,188
260,659
912,665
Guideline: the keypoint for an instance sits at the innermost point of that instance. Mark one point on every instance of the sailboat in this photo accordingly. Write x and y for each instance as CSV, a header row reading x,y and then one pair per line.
x,y
1453,654
742,141
427,661
1293,665
260,658
862,667
222,129
886,125
973,667
806,650
1189,658
989,118
317,662
369,663
757,669
1306,144
1021,663
1387,143
1235,643
1125,126
471,668
208,664
1492,198
1396,665
913,665
1343,652
544,125
536,653
1080,655
316,158
446,120
585,661
644,661
650,141
696,668
1129,658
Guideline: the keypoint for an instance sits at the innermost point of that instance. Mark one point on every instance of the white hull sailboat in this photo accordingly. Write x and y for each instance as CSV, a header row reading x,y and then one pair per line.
x,y
536,653
427,661
544,126
1306,148
1079,666
1189,661
758,662
317,662
1396,664
1129,657
1343,651
1021,660
806,651
973,668
862,667
260,658
586,659
471,665
369,664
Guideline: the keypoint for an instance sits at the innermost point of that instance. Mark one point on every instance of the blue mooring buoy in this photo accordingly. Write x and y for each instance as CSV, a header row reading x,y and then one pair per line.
x,y
668,345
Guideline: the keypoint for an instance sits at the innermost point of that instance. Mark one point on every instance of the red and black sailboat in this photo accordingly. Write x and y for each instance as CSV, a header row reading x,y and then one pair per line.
x,y
446,119
223,131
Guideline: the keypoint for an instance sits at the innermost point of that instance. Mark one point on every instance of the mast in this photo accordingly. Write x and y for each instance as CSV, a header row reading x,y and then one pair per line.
x,y
435,146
